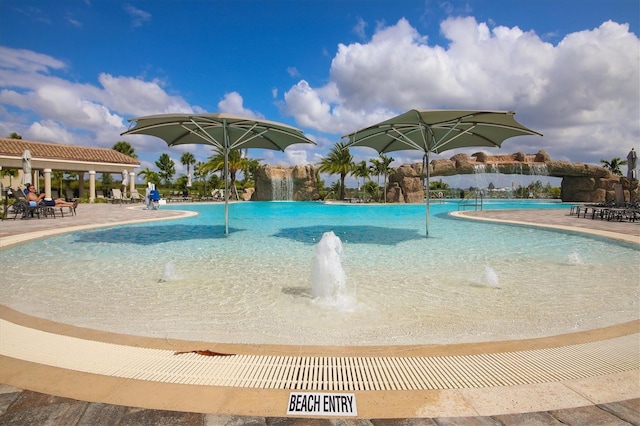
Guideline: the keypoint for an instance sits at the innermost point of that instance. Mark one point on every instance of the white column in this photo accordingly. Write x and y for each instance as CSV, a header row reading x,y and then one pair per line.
x,y
92,186
47,183
132,183
80,184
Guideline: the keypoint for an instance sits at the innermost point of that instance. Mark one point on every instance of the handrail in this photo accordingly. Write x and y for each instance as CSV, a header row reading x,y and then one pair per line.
x,y
473,198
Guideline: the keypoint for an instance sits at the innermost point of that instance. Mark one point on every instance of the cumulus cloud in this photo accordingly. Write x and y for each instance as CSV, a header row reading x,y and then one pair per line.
x,y
133,96
232,103
55,109
582,93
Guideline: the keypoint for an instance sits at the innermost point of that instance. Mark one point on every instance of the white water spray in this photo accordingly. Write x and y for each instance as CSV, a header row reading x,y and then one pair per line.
x,y
328,279
490,278
574,258
169,273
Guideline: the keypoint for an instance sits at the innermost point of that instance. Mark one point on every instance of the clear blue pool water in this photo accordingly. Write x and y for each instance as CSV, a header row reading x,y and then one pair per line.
x,y
469,281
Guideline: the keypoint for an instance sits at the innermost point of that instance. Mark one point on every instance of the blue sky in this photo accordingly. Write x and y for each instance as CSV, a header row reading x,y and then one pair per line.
x,y
76,71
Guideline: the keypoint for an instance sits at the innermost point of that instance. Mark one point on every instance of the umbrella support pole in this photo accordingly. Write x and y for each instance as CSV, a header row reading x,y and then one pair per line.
x,y
226,178
427,185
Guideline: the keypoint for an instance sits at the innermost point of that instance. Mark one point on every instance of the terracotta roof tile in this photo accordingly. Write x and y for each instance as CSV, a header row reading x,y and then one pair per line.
x,y
16,147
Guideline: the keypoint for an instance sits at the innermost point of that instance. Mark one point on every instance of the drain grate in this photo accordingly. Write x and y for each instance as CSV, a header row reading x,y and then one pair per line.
x,y
323,373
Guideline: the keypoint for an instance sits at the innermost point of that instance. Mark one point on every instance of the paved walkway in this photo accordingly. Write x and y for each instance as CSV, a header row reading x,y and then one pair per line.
x,y
51,371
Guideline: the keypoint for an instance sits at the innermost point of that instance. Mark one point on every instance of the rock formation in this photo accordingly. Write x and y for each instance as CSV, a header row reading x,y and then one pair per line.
x,y
298,183
580,182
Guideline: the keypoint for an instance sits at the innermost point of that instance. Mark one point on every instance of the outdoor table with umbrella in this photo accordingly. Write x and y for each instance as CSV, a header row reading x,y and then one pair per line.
x,y
223,131
436,131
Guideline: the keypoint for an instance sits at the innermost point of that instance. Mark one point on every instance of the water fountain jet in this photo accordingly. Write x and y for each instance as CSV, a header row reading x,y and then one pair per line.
x,y
328,279
169,273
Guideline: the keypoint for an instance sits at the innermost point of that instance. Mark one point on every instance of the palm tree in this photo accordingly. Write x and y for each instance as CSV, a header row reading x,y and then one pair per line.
x,y
187,159
125,148
339,161
380,167
360,170
249,170
614,165
375,170
235,163
200,173
149,176
167,167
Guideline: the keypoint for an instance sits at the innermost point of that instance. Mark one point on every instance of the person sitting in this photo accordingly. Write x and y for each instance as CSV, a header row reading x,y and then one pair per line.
x,y
58,202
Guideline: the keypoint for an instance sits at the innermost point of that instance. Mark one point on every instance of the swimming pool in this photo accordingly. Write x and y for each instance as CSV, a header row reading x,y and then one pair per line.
x,y
468,281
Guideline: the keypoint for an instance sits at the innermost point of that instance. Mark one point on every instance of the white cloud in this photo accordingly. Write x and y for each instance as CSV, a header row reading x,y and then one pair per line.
x,y
583,94
50,130
133,96
55,109
26,61
138,16
359,29
296,156
232,103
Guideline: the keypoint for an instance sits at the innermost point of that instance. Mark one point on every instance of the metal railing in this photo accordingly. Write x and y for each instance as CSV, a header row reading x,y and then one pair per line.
x,y
473,199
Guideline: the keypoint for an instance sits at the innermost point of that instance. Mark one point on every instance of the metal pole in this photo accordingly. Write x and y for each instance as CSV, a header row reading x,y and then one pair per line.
x,y
426,164
226,177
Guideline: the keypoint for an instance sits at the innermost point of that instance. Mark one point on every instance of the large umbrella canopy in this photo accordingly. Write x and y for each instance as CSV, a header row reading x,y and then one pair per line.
x,y
223,131
436,131
26,167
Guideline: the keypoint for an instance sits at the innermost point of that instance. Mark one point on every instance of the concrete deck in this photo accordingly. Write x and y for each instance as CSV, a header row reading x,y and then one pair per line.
x,y
58,374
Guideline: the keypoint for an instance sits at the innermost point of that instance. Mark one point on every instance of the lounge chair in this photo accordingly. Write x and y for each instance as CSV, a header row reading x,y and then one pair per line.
x,y
55,196
136,196
19,207
69,196
27,208
117,196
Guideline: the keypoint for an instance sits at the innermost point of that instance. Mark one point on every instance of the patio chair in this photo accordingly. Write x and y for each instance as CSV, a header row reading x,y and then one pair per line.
x,y
69,196
117,196
55,196
136,196
26,208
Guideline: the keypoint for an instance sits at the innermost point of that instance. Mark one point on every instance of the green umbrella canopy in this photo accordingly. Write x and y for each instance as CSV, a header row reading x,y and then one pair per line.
x,y
219,130
439,130
223,131
436,131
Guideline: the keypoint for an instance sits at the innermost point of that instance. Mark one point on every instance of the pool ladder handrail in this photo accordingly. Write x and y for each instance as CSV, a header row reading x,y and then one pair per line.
x,y
473,198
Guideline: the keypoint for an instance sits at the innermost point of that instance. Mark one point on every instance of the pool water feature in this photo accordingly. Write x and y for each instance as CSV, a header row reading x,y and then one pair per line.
x,y
468,282
328,279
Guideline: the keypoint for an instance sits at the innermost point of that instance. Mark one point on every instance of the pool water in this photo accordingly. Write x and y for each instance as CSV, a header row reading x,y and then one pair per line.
x,y
468,282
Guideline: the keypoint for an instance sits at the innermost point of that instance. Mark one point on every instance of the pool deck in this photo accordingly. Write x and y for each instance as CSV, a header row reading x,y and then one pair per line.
x,y
52,373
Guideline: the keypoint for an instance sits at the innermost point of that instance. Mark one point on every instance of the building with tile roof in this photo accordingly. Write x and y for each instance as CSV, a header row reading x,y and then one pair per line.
x,y
47,157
